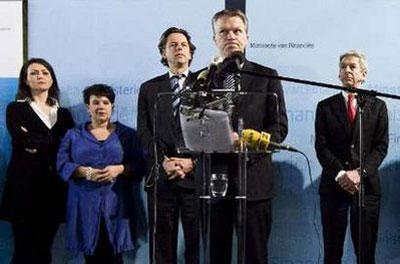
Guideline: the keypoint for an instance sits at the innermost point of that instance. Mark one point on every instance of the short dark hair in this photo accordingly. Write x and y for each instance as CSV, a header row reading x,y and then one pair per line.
x,y
230,12
98,90
163,42
23,88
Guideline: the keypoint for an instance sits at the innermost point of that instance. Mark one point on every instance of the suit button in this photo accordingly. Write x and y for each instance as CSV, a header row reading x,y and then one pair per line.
x,y
352,146
347,163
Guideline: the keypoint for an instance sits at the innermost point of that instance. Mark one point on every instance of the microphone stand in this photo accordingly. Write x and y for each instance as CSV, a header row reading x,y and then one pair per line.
x,y
242,156
361,93
325,85
156,174
363,175
155,181
242,182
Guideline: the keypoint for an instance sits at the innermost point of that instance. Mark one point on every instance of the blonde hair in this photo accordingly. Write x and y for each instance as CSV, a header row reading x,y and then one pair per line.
x,y
230,13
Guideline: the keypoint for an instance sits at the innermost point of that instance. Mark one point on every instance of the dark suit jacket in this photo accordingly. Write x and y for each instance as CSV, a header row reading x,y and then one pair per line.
x,y
168,133
265,112
337,143
33,188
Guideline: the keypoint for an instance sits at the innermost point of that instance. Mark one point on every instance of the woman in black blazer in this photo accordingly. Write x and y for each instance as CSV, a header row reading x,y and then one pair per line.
x,y
34,196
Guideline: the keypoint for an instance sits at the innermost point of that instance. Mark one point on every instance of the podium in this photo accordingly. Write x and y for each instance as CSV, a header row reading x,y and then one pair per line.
x,y
207,131
207,120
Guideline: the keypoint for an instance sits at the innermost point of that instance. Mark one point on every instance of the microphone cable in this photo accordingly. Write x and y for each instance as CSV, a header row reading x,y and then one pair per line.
x,y
315,206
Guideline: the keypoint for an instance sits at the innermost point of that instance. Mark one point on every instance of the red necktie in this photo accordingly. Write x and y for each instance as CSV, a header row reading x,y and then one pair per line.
x,y
351,109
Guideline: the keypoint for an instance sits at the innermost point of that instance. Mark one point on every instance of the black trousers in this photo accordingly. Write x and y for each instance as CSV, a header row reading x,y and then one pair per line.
x,y
258,228
175,204
104,252
33,241
334,214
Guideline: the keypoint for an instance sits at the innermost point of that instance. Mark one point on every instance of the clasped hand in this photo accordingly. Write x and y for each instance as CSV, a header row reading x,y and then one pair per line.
x,y
177,167
350,181
107,174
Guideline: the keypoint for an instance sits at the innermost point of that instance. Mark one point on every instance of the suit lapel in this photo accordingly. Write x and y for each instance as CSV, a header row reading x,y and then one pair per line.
x,y
179,141
367,109
165,103
245,85
165,110
35,119
165,107
340,111
190,80
246,79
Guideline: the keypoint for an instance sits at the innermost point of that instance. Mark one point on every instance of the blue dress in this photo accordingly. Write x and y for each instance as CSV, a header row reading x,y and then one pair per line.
x,y
119,203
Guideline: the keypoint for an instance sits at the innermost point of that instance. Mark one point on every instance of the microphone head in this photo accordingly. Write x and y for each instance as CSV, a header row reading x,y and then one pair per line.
x,y
216,60
203,75
250,137
233,63
351,89
238,56
256,140
212,67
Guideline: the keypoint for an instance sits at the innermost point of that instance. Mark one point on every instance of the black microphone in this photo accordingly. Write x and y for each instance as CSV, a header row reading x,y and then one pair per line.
x,y
207,74
283,146
184,92
232,64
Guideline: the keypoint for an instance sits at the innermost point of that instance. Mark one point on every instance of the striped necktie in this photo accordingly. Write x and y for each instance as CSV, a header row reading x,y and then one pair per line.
x,y
229,82
174,82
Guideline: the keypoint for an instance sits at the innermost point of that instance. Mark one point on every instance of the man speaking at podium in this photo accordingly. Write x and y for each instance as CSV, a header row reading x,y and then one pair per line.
x,y
337,145
263,113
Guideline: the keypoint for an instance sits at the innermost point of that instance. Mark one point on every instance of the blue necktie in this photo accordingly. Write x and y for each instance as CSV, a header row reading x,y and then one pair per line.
x,y
174,82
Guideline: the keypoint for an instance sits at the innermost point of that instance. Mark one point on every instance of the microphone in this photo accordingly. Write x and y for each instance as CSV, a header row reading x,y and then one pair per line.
x,y
232,64
216,60
184,92
207,75
203,75
260,141
227,76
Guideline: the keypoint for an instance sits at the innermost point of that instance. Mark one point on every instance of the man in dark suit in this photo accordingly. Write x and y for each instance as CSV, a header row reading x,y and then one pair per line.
x,y
265,112
337,146
176,196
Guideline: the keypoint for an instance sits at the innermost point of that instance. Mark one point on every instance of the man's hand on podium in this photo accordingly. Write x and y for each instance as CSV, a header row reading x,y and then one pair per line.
x,y
177,168
235,137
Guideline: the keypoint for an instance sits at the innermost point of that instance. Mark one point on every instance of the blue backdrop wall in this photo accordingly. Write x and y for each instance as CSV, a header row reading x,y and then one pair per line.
x,y
115,42
11,53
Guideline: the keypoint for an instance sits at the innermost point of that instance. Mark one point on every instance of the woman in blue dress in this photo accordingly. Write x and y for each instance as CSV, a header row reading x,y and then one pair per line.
x,y
103,164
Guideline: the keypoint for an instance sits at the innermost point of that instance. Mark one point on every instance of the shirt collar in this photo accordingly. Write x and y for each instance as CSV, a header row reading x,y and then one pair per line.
x,y
346,98
184,73
346,93
29,100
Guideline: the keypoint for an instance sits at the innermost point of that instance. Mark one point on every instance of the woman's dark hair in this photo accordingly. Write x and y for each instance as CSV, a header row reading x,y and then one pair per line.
x,y
98,90
23,88
164,38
